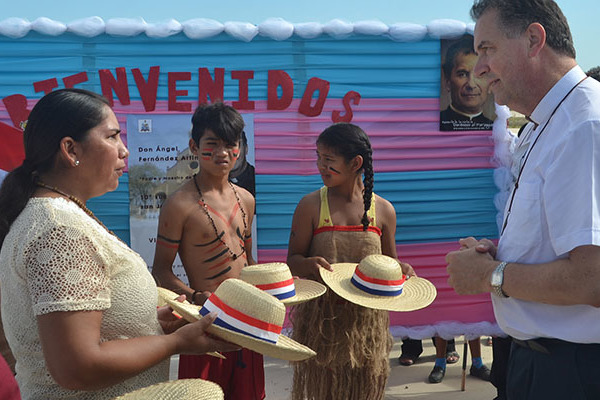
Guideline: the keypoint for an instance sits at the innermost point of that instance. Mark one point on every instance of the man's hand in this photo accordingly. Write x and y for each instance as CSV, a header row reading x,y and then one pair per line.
x,y
471,267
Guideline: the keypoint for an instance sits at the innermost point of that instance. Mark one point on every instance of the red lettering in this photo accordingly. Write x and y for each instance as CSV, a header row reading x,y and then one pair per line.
x,y
209,87
148,89
174,93
12,151
16,105
243,77
73,80
278,78
312,86
45,86
350,96
119,85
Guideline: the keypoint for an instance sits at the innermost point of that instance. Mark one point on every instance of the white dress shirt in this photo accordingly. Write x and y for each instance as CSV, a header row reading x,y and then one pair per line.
x,y
556,207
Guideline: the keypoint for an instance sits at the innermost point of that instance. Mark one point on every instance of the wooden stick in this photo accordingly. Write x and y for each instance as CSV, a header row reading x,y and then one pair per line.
x,y
463,382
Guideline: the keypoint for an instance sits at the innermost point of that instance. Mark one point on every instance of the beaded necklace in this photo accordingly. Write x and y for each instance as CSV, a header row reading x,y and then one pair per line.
x,y
78,202
212,222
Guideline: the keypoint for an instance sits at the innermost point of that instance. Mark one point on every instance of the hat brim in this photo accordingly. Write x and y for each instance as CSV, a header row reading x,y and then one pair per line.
x,y
166,294
177,389
306,290
285,348
417,293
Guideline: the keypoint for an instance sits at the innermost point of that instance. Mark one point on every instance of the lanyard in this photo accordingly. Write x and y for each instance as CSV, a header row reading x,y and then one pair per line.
x,y
512,198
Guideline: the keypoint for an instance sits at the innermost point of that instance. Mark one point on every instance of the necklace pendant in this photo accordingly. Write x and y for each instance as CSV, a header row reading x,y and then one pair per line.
x,y
234,257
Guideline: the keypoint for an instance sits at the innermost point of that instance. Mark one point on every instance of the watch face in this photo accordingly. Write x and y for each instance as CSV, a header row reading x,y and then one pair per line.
x,y
496,279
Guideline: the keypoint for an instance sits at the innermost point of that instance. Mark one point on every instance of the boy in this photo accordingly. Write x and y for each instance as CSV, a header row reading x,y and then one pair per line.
x,y
208,221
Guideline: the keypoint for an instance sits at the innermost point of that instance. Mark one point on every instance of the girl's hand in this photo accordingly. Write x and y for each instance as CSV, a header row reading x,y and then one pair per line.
x,y
318,262
407,269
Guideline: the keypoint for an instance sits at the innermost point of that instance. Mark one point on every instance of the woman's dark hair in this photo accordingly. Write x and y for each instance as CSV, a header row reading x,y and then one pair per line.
x,y
223,120
62,113
349,141
517,15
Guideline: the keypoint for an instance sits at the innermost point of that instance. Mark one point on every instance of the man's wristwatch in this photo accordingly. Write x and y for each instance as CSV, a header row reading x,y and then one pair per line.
x,y
497,280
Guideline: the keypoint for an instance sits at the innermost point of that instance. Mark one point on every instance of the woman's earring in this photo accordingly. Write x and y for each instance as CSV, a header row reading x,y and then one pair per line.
x,y
76,162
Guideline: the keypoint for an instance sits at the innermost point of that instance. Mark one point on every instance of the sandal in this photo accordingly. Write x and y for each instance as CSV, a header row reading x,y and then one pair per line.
x,y
407,361
452,357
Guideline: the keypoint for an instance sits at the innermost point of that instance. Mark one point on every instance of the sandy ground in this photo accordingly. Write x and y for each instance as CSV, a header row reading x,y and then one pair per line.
x,y
404,382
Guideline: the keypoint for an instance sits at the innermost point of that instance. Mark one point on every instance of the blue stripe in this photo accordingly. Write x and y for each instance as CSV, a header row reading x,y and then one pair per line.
x,y
431,206
374,66
375,291
286,295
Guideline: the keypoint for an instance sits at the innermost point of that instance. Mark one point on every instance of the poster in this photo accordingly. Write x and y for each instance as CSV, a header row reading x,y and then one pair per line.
x,y
465,101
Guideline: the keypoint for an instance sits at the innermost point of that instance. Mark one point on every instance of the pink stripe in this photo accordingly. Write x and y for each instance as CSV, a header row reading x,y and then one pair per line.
x,y
404,133
428,260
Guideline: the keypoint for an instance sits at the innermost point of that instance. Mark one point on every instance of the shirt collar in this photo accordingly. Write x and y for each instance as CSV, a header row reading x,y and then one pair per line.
x,y
470,116
555,95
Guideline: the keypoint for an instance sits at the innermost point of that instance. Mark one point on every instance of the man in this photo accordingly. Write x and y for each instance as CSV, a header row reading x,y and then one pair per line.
x,y
208,221
544,274
468,93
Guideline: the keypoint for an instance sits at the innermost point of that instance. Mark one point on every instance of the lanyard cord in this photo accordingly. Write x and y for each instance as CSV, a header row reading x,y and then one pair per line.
x,y
512,198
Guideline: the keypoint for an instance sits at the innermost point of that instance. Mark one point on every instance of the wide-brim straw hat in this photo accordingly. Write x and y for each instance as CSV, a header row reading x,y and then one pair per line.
x,y
248,317
177,390
377,282
276,279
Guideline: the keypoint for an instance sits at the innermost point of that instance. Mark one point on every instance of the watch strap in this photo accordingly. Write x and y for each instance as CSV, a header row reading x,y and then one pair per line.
x,y
498,288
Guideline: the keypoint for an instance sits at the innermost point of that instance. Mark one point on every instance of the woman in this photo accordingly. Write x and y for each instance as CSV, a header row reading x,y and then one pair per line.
x,y
344,221
79,306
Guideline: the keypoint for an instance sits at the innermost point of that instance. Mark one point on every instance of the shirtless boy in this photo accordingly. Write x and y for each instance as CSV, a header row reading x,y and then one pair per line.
x,y
208,221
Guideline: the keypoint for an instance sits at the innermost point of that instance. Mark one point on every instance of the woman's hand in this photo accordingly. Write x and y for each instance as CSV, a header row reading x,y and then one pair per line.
x,y
193,339
169,322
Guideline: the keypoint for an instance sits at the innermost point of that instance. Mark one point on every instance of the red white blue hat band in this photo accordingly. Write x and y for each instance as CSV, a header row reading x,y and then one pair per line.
x,y
281,290
378,287
236,321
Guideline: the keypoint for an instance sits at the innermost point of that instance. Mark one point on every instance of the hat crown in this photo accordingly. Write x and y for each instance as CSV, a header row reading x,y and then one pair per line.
x,y
379,266
251,301
260,274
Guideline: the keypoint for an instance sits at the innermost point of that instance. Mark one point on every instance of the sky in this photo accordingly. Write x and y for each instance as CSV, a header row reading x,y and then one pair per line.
x,y
581,14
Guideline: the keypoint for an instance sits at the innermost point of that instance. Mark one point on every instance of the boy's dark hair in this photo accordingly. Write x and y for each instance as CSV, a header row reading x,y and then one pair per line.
x,y
349,141
223,120
463,46
517,15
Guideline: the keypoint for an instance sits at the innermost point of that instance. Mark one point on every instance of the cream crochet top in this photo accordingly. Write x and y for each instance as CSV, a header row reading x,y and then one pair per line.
x,y
57,258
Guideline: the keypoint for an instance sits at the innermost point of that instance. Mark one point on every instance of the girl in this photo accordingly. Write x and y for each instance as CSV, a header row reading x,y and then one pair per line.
x,y
344,221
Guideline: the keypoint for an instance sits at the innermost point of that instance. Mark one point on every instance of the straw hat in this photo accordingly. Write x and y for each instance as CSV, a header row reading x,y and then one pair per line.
x,y
248,317
276,279
177,390
377,282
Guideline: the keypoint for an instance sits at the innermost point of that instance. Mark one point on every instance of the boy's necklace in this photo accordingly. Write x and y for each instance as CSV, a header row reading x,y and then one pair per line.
x,y
212,221
78,202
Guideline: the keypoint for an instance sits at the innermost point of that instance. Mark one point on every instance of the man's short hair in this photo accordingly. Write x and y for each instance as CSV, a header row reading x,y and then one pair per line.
x,y
463,46
594,73
517,15
223,120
